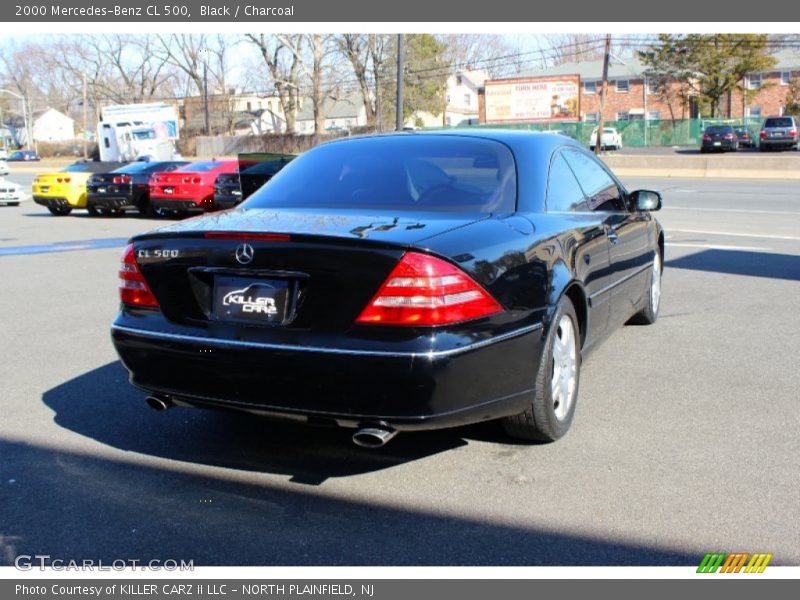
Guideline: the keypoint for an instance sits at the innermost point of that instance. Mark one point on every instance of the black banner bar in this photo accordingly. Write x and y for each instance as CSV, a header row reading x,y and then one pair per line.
x,y
360,11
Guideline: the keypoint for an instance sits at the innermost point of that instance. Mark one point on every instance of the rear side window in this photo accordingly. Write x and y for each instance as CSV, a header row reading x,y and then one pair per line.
x,y
564,194
425,172
602,192
779,122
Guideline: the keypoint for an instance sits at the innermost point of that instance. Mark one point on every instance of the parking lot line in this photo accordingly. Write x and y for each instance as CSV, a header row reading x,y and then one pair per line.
x,y
64,246
717,247
737,234
733,210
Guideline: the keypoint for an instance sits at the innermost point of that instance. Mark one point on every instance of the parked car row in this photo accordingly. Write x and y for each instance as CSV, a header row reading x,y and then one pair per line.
x,y
163,188
777,133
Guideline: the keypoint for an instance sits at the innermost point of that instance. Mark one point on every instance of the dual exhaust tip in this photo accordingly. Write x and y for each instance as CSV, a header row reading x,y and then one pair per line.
x,y
366,437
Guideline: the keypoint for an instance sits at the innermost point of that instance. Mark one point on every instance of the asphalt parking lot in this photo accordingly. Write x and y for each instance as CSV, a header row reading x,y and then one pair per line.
x,y
685,440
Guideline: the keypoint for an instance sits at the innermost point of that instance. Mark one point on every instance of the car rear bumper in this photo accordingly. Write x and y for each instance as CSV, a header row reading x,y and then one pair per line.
x,y
179,204
51,201
779,142
454,386
111,201
223,202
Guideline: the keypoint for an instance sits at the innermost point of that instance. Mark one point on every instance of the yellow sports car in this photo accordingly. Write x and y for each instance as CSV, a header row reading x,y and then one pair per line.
x,y
64,190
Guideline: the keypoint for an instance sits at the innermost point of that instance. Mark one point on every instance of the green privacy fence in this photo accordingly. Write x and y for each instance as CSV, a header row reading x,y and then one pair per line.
x,y
637,132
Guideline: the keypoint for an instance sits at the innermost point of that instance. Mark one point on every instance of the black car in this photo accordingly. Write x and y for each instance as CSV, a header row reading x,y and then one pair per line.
x,y
126,188
779,133
745,137
397,282
719,138
232,188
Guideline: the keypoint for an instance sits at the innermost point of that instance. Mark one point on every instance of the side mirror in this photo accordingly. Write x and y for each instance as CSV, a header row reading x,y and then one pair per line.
x,y
646,200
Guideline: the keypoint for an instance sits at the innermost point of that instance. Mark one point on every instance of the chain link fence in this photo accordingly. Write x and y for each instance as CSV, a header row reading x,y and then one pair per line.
x,y
638,132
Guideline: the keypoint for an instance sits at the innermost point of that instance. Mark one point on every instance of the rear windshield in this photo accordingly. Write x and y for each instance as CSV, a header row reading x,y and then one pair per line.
x,y
423,172
202,166
719,129
145,167
779,122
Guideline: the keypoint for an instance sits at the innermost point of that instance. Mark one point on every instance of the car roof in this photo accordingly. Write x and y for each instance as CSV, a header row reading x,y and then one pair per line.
x,y
516,139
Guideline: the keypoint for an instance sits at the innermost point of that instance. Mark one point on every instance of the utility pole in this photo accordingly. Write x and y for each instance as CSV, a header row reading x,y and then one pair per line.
x,y
85,141
401,46
599,140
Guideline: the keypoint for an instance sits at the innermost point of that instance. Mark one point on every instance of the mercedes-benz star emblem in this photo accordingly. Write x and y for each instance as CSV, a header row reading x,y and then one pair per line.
x,y
244,254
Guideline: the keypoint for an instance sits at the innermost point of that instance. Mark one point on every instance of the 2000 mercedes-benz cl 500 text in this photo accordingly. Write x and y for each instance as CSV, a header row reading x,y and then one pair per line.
x,y
397,282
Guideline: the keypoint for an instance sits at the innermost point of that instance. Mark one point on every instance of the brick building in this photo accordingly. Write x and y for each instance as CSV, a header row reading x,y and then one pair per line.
x,y
631,96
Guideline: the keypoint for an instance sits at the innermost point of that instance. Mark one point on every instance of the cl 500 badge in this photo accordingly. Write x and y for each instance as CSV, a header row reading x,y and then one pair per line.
x,y
157,253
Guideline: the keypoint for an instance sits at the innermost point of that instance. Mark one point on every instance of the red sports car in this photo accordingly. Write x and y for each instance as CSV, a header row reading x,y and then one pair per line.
x,y
188,189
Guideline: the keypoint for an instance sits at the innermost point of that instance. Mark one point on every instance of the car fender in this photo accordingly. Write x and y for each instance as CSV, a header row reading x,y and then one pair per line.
x,y
562,282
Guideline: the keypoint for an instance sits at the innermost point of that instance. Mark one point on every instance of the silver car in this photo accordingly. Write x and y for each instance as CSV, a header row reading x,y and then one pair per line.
x,y
779,133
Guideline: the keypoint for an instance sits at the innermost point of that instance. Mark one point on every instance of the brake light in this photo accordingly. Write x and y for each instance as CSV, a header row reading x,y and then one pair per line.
x,y
122,179
793,133
763,134
133,289
706,137
728,136
425,291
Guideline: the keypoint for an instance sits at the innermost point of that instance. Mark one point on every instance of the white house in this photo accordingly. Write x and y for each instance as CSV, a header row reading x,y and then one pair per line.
x,y
461,98
53,126
340,113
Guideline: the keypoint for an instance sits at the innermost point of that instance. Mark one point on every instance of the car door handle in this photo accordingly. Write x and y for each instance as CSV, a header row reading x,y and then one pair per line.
x,y
612,236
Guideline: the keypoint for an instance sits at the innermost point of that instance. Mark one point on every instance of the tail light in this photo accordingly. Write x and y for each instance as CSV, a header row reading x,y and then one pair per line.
x,y
763,135
133,289
195,180
122,179
63,179
728,136
706,137
793,133
426,291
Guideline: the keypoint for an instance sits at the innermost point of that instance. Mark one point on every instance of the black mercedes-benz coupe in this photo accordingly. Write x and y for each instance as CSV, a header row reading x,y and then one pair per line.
x,y
397,282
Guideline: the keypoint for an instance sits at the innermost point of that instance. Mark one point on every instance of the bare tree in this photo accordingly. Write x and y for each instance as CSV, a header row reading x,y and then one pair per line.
x,y
282,55
487,52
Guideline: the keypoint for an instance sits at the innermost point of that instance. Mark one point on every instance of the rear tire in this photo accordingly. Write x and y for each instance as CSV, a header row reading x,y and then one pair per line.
x,y
92,210
556,387
59,211
649,314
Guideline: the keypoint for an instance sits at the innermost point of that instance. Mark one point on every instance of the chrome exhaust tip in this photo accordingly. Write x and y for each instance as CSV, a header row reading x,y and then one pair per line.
x,y
373,437
158,402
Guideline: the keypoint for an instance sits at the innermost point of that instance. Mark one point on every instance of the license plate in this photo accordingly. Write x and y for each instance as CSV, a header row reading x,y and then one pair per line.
x,y
168,190
254,301
101,190
718,143
45,189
